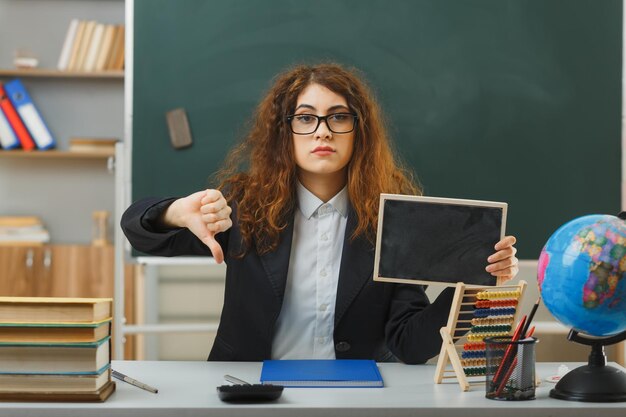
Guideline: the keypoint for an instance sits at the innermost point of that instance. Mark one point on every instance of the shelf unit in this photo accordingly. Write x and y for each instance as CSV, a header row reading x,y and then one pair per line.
x,y
56,270
52,73
73,104
19,154
63,188
43,73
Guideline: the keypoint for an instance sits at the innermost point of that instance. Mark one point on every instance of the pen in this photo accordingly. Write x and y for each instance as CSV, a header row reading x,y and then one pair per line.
x,y
234,380
132,381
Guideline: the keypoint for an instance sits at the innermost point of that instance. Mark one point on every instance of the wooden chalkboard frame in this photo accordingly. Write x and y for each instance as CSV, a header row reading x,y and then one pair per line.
x,y
429,200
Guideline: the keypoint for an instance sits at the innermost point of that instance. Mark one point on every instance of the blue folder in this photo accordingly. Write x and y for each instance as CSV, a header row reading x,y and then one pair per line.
x,y
31,117
340,373
8,138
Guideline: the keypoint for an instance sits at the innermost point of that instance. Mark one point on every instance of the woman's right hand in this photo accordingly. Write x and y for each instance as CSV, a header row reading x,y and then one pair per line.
x,y
205,214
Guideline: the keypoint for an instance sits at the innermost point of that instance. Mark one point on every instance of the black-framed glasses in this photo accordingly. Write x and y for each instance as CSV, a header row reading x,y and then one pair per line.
x,y
305,124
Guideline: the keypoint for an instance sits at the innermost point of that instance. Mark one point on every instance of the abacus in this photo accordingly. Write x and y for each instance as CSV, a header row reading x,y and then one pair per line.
x,y
476,313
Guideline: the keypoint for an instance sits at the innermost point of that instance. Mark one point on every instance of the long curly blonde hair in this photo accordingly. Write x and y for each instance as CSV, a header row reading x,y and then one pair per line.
x,y
259,174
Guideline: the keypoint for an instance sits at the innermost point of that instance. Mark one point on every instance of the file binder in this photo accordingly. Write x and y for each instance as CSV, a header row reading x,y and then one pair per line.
x,y
339,373
31,117
8,138
26,141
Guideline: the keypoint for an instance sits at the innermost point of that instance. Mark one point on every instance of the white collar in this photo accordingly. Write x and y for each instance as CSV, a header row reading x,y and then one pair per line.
x,y
308,203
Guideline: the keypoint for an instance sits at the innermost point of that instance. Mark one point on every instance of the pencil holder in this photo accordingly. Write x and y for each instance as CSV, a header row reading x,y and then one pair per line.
x,y
510,368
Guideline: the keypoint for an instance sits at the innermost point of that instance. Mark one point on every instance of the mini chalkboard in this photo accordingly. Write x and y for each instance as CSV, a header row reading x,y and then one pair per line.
x,y
421,240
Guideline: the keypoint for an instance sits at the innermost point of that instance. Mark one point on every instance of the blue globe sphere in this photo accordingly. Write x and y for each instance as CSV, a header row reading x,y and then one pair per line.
x,y
582,275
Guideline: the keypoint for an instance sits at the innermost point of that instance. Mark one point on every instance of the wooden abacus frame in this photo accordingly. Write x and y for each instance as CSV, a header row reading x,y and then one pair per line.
x,y
465,295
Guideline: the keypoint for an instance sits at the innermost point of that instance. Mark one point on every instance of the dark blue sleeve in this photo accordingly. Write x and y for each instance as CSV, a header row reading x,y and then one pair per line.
x,y
140,224
412,331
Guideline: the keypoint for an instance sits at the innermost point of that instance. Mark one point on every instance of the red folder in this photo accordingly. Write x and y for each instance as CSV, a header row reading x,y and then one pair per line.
x,y
16,122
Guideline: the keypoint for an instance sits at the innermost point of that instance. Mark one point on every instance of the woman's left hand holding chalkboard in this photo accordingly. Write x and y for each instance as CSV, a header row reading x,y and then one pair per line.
x,y
503,264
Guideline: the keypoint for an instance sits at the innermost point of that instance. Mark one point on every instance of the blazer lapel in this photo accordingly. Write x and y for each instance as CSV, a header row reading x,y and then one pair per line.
x,y
276,263
357,265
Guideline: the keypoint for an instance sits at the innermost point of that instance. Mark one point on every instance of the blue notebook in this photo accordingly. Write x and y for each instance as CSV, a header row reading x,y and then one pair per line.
x,y
340,373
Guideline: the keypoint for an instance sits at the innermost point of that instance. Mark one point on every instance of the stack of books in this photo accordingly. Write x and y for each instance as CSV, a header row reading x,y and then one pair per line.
x,y
105,146
92,46
55,349
21,123
22,231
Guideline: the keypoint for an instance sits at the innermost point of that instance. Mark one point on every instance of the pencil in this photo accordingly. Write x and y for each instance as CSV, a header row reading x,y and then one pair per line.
x,y
508,352
530,318
506,377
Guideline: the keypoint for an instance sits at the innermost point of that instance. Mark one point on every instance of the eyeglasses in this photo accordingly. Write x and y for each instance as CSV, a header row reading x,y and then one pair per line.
x,y
305,124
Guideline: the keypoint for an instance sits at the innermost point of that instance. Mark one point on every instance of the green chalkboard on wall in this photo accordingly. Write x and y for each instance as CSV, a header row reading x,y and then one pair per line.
x,y
507,100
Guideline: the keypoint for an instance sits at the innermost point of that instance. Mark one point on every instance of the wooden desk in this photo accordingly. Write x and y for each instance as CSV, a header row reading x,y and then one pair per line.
x,y
188,389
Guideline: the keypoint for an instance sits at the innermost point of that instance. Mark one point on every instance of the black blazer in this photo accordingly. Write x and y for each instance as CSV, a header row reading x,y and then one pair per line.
x,y
373,320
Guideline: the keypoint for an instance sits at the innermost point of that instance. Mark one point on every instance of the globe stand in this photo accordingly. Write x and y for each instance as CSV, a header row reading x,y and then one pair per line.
x,y
596,381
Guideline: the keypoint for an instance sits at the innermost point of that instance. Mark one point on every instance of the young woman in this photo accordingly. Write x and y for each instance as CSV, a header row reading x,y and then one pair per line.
x,y
297,228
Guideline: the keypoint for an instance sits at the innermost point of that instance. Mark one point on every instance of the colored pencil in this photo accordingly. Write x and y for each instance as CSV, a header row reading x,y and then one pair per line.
x,y
506,377
530,318
508,352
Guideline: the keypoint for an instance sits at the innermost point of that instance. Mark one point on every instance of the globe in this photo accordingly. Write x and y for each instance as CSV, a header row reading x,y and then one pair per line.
x,y
581,275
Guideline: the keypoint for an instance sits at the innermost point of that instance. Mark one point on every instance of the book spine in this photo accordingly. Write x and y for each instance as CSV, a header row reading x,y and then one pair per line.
x,y
84,45
94,48
64,59
105,50
118,64
80,33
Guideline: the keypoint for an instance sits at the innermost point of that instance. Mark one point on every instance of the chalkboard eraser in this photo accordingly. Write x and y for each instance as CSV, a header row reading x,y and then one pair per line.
x,y
178,126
